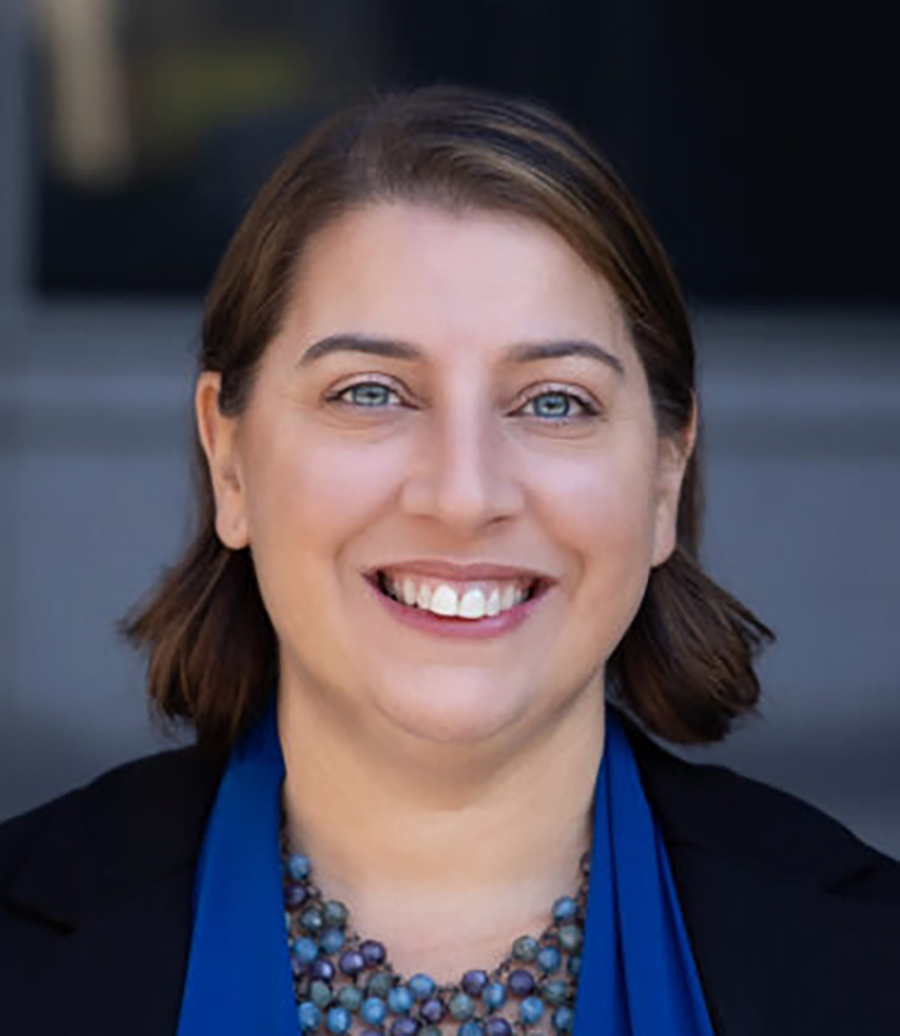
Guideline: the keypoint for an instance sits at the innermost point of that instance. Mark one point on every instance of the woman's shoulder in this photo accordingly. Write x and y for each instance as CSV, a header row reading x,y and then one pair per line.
x,y
711,808
155,805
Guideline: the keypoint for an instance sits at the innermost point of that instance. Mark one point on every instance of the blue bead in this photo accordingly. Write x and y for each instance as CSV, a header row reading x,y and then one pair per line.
x,y
421,986
462,1007
321,968
525,948
471,1029
404,1027
555,991
295,895
351,962
494,995
400,1000
338,1020
298,866
574,966
373,952
548,958
531,1009
563,1019
309,1015
475,982
564,909
570,937
432,1011
520,982
497,1027
373,1010
305,950
332,940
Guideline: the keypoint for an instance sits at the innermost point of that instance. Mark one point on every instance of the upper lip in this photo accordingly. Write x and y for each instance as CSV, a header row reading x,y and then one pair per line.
x,y
461,573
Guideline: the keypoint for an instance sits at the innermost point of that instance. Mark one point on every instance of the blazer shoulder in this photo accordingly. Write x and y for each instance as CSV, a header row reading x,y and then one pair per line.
x,y
63,855
713,808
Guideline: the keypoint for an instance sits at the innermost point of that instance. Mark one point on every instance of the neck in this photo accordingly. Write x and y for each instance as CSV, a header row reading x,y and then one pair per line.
x,y
461,840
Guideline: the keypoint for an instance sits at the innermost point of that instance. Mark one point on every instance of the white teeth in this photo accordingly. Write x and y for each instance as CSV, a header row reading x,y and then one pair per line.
x,y
444,599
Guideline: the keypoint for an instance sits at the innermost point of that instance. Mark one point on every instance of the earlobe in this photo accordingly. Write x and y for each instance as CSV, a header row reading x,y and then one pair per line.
x,y
219,440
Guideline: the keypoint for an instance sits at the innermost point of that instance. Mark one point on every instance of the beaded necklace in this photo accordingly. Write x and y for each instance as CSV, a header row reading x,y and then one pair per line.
x,y
344,984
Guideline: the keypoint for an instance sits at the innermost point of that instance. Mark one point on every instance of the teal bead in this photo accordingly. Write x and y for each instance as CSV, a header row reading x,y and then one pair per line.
x,y
564,909
312,921
400,1000
525,948
494,995
554,991
332,940
430,1030
338,1020
548,958
379,983
335,914
461,1006
563,1019
298,866
531,1010
309,1015
373,1010
305,950
570,937
320,993
421,986
350,997
471,1029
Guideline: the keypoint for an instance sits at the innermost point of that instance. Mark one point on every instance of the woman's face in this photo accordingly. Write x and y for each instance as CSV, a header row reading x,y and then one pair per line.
x,y
442,444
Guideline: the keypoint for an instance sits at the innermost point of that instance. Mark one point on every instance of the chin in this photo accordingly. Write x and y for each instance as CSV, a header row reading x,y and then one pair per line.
x,y
455,711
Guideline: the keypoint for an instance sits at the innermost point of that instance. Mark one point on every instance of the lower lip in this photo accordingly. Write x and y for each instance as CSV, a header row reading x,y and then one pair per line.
x,y
470,629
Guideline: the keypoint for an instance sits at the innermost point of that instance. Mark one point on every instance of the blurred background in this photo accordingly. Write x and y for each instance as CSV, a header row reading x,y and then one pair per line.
x,y
762,141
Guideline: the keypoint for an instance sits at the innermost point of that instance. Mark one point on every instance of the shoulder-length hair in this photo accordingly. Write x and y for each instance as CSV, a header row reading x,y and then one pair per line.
x,y
684,667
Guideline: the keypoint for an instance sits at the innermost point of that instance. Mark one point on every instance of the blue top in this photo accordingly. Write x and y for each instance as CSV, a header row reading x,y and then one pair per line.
x,y
638,976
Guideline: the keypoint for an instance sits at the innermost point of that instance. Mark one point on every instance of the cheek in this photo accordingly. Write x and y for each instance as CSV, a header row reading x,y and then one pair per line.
x,y
602,510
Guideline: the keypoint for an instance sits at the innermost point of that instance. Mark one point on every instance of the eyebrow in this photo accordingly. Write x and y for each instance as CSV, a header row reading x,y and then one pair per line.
x,y
525,353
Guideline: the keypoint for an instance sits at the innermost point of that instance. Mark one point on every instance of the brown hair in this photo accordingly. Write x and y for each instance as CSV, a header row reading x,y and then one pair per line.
x,y
685,666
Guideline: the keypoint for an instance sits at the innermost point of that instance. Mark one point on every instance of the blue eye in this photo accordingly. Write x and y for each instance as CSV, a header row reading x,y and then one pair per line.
x,y
559,413
372,395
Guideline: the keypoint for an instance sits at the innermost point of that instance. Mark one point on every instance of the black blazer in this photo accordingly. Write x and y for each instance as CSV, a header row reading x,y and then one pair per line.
x,y
794,923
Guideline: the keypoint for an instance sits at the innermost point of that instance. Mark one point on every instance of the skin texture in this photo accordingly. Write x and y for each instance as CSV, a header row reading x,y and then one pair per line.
x,y
443,787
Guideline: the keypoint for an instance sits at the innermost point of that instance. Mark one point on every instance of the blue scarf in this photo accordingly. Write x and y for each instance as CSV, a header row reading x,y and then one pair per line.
x,y
638,976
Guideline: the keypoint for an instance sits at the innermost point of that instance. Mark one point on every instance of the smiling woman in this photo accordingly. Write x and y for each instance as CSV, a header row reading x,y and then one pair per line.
x,y
445,572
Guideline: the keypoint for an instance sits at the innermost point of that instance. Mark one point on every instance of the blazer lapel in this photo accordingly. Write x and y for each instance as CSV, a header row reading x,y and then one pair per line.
x,y
110,883
794,923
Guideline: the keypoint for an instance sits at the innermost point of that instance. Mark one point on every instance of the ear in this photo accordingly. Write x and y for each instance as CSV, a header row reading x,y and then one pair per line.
x,y
673,455
219,439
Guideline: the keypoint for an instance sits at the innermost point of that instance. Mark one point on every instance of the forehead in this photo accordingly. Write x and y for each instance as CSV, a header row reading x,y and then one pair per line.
x,y
457,279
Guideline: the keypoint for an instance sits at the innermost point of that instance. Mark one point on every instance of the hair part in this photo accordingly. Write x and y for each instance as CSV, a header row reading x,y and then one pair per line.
x,y
685,666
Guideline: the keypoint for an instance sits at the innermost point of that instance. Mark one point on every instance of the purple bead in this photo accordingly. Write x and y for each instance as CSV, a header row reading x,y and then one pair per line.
x,y
497,1027
404,1027
295,896
351,962
475,982
432,1010
373,952
520,982
321,968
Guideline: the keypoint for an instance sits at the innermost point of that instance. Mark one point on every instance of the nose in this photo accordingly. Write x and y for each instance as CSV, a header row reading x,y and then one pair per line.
x,y
462,474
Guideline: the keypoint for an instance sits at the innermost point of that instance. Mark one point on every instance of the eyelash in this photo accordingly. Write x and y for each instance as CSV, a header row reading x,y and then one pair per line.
x,y
590,409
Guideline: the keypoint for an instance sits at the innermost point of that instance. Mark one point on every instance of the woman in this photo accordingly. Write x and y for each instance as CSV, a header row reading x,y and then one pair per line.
x,y
449,506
